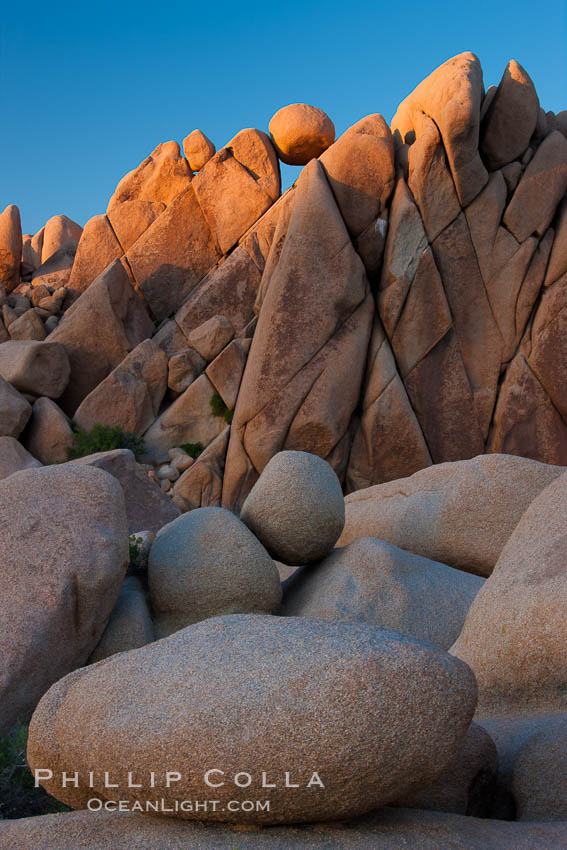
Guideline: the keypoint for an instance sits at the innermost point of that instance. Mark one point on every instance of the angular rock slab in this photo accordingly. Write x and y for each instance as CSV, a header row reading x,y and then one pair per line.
x,y
461,513
147,506
38,368
306,362
515,633
49,435
63,561
130,397
110,305
345,696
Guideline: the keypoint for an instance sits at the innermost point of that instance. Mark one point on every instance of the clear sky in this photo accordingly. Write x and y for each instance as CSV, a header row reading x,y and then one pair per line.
x,y
87,90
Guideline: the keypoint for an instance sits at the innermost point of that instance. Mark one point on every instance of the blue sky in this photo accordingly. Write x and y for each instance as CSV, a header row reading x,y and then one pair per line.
x,y
88,90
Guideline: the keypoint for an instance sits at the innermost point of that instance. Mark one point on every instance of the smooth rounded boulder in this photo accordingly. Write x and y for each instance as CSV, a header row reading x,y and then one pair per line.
x,y
460,513
515,634
206,563
301,132
296,508
64,553
373,582
347,716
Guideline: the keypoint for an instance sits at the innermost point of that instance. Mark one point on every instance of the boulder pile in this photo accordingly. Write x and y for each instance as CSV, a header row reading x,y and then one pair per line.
x,y
283,482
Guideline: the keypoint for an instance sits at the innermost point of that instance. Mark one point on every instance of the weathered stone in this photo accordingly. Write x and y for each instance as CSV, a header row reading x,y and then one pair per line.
x,y
28,326
476,329
170,337
510,120
226,370
184,368
129,626
173,254
188,420
296,508
373,582
360,170
388,442
352,725
14,457
122,322
14,410
56,271
539,779
207,563
452,97
417,319
63,560
200,486
230,290
303,375
430,179
237,185
461,514
419,830
97,249
515,632
49,435
526,420
10,247
542,186
58,231
130,219
467,786
211,337
130,397
558,259
300,132
160,178
38,368
147,506
198,149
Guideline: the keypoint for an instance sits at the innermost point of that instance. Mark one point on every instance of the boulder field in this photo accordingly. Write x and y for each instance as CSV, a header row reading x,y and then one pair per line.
x,y
283,488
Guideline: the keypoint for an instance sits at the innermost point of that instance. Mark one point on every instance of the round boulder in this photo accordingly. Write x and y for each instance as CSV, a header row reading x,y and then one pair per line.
x,y
321,719
296,508
300,132
205,563
198,149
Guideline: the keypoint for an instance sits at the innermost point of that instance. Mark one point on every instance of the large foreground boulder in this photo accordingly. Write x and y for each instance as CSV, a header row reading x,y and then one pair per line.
x,y
376,583
329,702
388,829
64,553
459,513
515,634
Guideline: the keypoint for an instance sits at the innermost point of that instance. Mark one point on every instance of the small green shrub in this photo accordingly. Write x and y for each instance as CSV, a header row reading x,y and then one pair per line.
x,y
228,415
18,796
218,407
104,438
136,552
192,449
